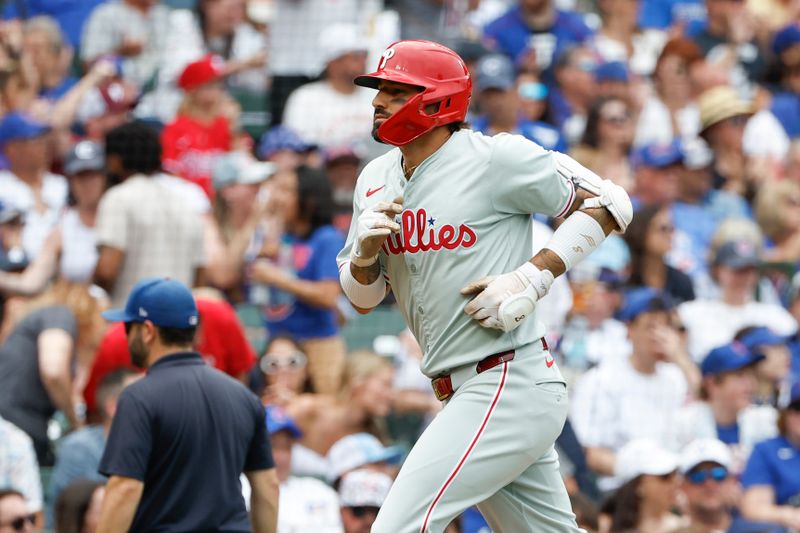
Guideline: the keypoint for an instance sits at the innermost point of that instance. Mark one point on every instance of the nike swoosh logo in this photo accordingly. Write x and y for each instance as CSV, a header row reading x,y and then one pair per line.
x,y
549,362
370,192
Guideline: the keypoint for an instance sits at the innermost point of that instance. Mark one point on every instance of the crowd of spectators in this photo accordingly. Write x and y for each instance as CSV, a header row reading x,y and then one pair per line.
x,y
218,142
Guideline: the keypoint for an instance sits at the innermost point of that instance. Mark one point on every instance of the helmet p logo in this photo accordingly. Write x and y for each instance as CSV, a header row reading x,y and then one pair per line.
x,y
387,55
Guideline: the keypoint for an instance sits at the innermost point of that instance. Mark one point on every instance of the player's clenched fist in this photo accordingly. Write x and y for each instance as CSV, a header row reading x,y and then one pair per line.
x,y
373,227
504,301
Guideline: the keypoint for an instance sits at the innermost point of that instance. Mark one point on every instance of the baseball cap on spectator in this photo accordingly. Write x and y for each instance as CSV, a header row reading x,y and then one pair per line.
x,y
165,302
238,167
494,71
642,300
728,358
762,336
658,155
705,451
8,212
721,103
737,254
794,395
17,125
278,420
644,457
83,156
470,50
280,138
786,38
611,71
206,70
354,451
364,488
338,40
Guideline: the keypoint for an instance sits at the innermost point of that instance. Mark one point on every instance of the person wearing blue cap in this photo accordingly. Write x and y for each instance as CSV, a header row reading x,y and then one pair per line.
x,y
499,99
772,374
657,170
726,411
772,477
183,435
786,102
306,503
714,321
633,397
28,184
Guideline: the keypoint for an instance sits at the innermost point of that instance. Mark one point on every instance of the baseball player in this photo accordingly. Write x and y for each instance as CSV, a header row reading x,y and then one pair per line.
x,y
444,222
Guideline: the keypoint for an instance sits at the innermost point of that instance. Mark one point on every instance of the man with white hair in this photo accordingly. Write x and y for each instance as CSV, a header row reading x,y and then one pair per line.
x,y
334,111
361,495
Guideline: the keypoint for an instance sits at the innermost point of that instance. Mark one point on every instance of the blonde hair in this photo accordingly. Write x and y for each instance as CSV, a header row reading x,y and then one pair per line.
x,y
78,298
362,364
770,208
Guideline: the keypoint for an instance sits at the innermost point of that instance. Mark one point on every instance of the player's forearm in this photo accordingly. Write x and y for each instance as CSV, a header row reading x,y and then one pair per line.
x,y
366,275
547,259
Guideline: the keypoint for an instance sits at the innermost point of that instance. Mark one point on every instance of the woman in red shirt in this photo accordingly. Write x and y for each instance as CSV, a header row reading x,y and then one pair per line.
x,y
202,129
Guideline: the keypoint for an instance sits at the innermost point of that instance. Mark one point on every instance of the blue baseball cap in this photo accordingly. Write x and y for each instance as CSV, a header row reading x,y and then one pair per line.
x,y
165,302
785,39
737,254
642,300
278,420
612,71
280,138
494,71
728,358
17,125
761,336
658,156
794,394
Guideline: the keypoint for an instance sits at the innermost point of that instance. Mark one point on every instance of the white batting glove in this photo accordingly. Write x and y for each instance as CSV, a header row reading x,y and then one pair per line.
x,y
373,227
504,301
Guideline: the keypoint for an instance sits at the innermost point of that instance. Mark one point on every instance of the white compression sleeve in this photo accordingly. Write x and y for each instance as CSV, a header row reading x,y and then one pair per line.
x,y
577,237
363,296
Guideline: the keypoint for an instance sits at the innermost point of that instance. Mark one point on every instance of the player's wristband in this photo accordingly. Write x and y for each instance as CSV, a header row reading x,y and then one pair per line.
x,y
362,261
577,237
363,296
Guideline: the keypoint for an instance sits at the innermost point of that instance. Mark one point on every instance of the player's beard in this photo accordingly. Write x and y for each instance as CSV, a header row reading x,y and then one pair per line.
x,y
375,125
137,350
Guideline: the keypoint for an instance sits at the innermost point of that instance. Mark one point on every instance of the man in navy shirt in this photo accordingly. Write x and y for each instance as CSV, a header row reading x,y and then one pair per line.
x,y
182,436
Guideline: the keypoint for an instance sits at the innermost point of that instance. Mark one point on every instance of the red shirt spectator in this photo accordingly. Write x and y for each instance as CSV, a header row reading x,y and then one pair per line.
x,y
220,339
201,131
191,147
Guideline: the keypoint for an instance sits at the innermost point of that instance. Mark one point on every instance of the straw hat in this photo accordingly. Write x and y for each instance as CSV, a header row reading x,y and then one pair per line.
x,y
720,103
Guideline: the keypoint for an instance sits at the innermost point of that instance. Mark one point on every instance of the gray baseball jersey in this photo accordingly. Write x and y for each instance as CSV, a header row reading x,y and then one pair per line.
x,y
467,215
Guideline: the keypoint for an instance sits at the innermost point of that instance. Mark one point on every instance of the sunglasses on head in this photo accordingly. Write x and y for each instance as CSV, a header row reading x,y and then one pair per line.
x,y
698,477
361,511
271,364
18,524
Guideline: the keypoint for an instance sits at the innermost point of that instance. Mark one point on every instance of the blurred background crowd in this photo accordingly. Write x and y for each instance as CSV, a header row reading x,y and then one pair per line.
x,y
218,142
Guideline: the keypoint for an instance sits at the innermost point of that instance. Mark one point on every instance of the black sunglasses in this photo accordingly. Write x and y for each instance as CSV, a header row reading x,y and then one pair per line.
x,y
363,510
18,524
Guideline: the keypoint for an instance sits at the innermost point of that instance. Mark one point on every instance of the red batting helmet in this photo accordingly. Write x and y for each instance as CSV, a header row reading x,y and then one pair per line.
x,y
441,74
